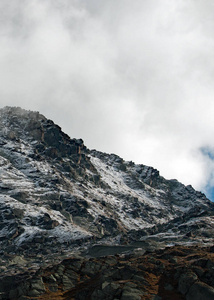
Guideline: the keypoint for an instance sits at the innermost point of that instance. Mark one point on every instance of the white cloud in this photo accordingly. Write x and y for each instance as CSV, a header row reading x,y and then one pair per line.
x,y
130,77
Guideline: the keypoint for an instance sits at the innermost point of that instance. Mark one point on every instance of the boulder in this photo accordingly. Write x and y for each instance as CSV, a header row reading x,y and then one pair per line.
x,y
186,281
200,291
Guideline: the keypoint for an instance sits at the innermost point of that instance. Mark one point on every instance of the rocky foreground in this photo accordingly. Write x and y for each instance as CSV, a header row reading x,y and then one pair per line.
x,y
172,273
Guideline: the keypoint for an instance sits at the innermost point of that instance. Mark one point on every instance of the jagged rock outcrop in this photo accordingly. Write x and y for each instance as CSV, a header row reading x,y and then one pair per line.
x,y
57,197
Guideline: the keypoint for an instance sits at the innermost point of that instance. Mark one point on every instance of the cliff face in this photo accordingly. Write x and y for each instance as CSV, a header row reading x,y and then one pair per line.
x,y
172,273
57,197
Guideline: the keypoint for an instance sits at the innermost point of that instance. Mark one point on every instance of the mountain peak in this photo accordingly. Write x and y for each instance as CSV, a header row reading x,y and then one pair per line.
x,y
16,122
57,196
11,112
43,134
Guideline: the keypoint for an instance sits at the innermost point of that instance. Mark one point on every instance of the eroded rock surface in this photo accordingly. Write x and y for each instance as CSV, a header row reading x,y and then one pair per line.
x,y
171,273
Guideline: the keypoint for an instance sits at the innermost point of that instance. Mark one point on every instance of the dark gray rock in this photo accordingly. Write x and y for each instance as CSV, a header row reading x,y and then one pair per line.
x,y
67,283
13,294
131,294
186,281
200,291
138,278
50,282
156,297
91,268
37,287
97,295
23,289
168,287
111,290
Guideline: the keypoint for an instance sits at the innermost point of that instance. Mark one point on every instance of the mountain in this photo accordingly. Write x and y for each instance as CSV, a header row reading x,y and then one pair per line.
x,y
58,198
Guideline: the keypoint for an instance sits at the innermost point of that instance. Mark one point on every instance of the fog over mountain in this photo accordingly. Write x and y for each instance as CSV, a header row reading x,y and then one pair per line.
x,y
129,77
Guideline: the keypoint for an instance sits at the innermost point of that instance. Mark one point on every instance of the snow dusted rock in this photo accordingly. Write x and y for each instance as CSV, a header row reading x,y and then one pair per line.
x,y
56,196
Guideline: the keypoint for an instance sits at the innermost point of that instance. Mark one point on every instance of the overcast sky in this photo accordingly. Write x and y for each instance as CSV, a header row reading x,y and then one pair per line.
x,y
134,78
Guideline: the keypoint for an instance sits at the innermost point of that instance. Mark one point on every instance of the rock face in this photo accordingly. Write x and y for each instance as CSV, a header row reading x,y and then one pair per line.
x,y
58,198
171,273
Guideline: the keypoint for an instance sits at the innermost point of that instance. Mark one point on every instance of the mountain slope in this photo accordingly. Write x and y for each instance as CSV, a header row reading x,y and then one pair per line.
x,y
57,196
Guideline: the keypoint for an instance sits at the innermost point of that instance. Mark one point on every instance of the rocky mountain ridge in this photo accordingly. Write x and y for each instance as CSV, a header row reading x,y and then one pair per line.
x,y
58,198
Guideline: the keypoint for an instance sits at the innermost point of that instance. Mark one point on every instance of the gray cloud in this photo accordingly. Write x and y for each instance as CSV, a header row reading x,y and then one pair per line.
x,y
130,77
